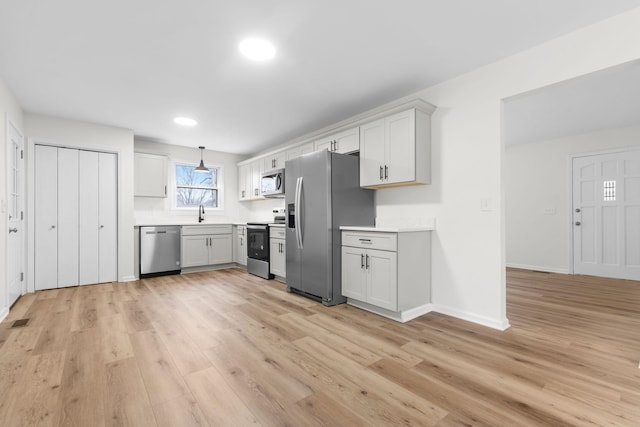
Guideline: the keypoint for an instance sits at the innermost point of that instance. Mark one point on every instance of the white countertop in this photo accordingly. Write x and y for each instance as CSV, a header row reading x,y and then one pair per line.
x,y
386,229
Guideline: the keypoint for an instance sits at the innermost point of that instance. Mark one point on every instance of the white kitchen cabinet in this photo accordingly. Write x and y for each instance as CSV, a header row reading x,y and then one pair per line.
x,y
395,150
151,172
244,182
240,248
387,273
203,245
299,150
277,252
274,161
75,217
344,142
249,177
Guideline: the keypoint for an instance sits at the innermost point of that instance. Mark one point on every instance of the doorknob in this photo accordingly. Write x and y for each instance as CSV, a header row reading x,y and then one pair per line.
x,y
577,222
13,230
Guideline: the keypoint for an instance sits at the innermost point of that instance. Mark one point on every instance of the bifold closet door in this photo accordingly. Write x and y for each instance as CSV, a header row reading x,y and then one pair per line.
x,y
46,217
67,217
108,218
88,217
98,217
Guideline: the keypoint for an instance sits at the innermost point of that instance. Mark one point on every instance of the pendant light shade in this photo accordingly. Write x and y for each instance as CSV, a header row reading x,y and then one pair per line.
x,y
201,167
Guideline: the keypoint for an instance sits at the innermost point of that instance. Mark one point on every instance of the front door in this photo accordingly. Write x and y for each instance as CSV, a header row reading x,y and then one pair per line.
x,y
15,212
606,215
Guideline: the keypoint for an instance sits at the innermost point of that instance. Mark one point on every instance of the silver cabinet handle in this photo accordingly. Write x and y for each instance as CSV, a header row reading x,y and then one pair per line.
x,y
361,260
380,173
13,230
335,145
386,172
367,262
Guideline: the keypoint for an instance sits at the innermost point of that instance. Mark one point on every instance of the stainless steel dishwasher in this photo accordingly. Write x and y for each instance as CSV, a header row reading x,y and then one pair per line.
x,y
159,250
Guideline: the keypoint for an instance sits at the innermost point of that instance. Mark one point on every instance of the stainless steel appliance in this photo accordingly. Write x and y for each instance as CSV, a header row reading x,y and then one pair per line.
x,y
258,249
323,194
272,184
159,250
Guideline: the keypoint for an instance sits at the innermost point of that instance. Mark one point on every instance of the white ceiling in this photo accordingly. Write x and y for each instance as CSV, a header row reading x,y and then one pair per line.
x,y
137,64
604,100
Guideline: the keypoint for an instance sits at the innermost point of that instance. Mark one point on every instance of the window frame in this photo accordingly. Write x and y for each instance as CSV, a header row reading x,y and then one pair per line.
x,y
174,187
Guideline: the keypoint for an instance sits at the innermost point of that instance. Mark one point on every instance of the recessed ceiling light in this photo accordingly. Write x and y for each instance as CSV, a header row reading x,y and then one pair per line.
x,y
185,121
257,49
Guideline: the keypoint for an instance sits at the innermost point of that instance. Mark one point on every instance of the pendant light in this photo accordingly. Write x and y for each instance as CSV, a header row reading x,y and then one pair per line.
x,y
201,167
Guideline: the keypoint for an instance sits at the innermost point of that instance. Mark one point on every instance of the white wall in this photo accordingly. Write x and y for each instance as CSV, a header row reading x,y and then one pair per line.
x,y
468,245
537,177
8,107
71,133
149,210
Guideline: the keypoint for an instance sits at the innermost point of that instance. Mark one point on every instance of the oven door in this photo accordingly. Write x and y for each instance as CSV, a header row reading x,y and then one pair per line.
x,y
258,242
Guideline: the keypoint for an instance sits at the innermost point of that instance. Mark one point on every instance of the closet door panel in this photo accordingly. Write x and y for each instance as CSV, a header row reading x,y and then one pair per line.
x,y
88,217
67,217
107,214
46,217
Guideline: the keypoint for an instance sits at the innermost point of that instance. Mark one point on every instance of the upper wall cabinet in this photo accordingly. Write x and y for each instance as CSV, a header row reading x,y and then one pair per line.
x,y
274,161
150,175
299,150
344,142
396,150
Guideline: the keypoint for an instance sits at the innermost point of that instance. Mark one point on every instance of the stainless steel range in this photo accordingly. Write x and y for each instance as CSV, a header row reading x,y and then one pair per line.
x,y
258,249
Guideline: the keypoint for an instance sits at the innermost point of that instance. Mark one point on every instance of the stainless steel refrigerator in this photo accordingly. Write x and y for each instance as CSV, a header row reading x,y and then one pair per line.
x,y
322,193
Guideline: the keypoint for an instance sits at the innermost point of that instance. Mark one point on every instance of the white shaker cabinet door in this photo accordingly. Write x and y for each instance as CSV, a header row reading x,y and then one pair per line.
x,y
354,278
382,269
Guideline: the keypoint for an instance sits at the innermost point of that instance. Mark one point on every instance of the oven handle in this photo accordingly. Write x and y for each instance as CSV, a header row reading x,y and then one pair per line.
x,y
297,212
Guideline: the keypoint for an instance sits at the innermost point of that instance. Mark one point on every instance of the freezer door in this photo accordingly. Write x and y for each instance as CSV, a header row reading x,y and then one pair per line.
x,y
293,267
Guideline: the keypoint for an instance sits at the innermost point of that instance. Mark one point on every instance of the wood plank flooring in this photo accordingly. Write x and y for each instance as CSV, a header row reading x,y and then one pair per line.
x,y
225,348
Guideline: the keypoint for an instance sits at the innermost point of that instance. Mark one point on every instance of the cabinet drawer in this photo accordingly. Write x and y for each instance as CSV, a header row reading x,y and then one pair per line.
x,y
194,230
373,240
276,233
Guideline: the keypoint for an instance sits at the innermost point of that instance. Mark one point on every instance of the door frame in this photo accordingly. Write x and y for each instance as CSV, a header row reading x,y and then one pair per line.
x,y
570,160
8,125
30,201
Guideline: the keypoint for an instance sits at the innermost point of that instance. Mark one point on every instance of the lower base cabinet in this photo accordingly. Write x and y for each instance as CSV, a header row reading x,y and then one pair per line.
x,y
387,273
277,252
204,245
240,247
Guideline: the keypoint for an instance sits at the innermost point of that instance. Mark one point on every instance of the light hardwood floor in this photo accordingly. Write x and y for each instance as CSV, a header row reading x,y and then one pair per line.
x,y
227,349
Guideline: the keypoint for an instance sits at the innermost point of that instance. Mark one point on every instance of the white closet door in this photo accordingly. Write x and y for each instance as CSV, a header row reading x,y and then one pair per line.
x,y
46,217
67,217
88,217
107,214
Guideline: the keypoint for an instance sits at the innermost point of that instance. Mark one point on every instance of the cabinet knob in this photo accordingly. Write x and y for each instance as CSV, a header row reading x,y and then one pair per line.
x,y
578,223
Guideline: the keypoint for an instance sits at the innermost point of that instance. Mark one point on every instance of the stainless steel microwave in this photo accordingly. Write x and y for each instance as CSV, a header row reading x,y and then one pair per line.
x,y
272,184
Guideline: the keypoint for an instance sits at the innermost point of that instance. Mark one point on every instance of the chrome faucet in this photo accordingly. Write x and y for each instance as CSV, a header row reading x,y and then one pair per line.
x,y
201,213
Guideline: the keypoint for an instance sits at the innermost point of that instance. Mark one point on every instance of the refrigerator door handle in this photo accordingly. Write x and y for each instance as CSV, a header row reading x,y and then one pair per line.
x,y
297,212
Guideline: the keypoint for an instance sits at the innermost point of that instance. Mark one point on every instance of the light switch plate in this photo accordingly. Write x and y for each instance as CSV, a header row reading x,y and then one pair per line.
x,y
485,205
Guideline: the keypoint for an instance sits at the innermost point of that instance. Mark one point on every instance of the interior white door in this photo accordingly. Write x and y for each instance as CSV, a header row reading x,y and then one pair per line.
x,y
15,213
606,215
88,219
107,217
46,217
67,217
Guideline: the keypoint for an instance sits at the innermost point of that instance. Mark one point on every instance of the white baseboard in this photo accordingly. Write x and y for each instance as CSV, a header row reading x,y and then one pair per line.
x,y
402,317
539,268
500,325
128,279
4,313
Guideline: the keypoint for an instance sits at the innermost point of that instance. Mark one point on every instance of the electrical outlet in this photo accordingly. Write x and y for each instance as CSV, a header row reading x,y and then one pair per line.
x,y
550,210
485,205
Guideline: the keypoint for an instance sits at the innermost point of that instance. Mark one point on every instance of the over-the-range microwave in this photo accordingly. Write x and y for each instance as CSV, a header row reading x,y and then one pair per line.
x,y
272,184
